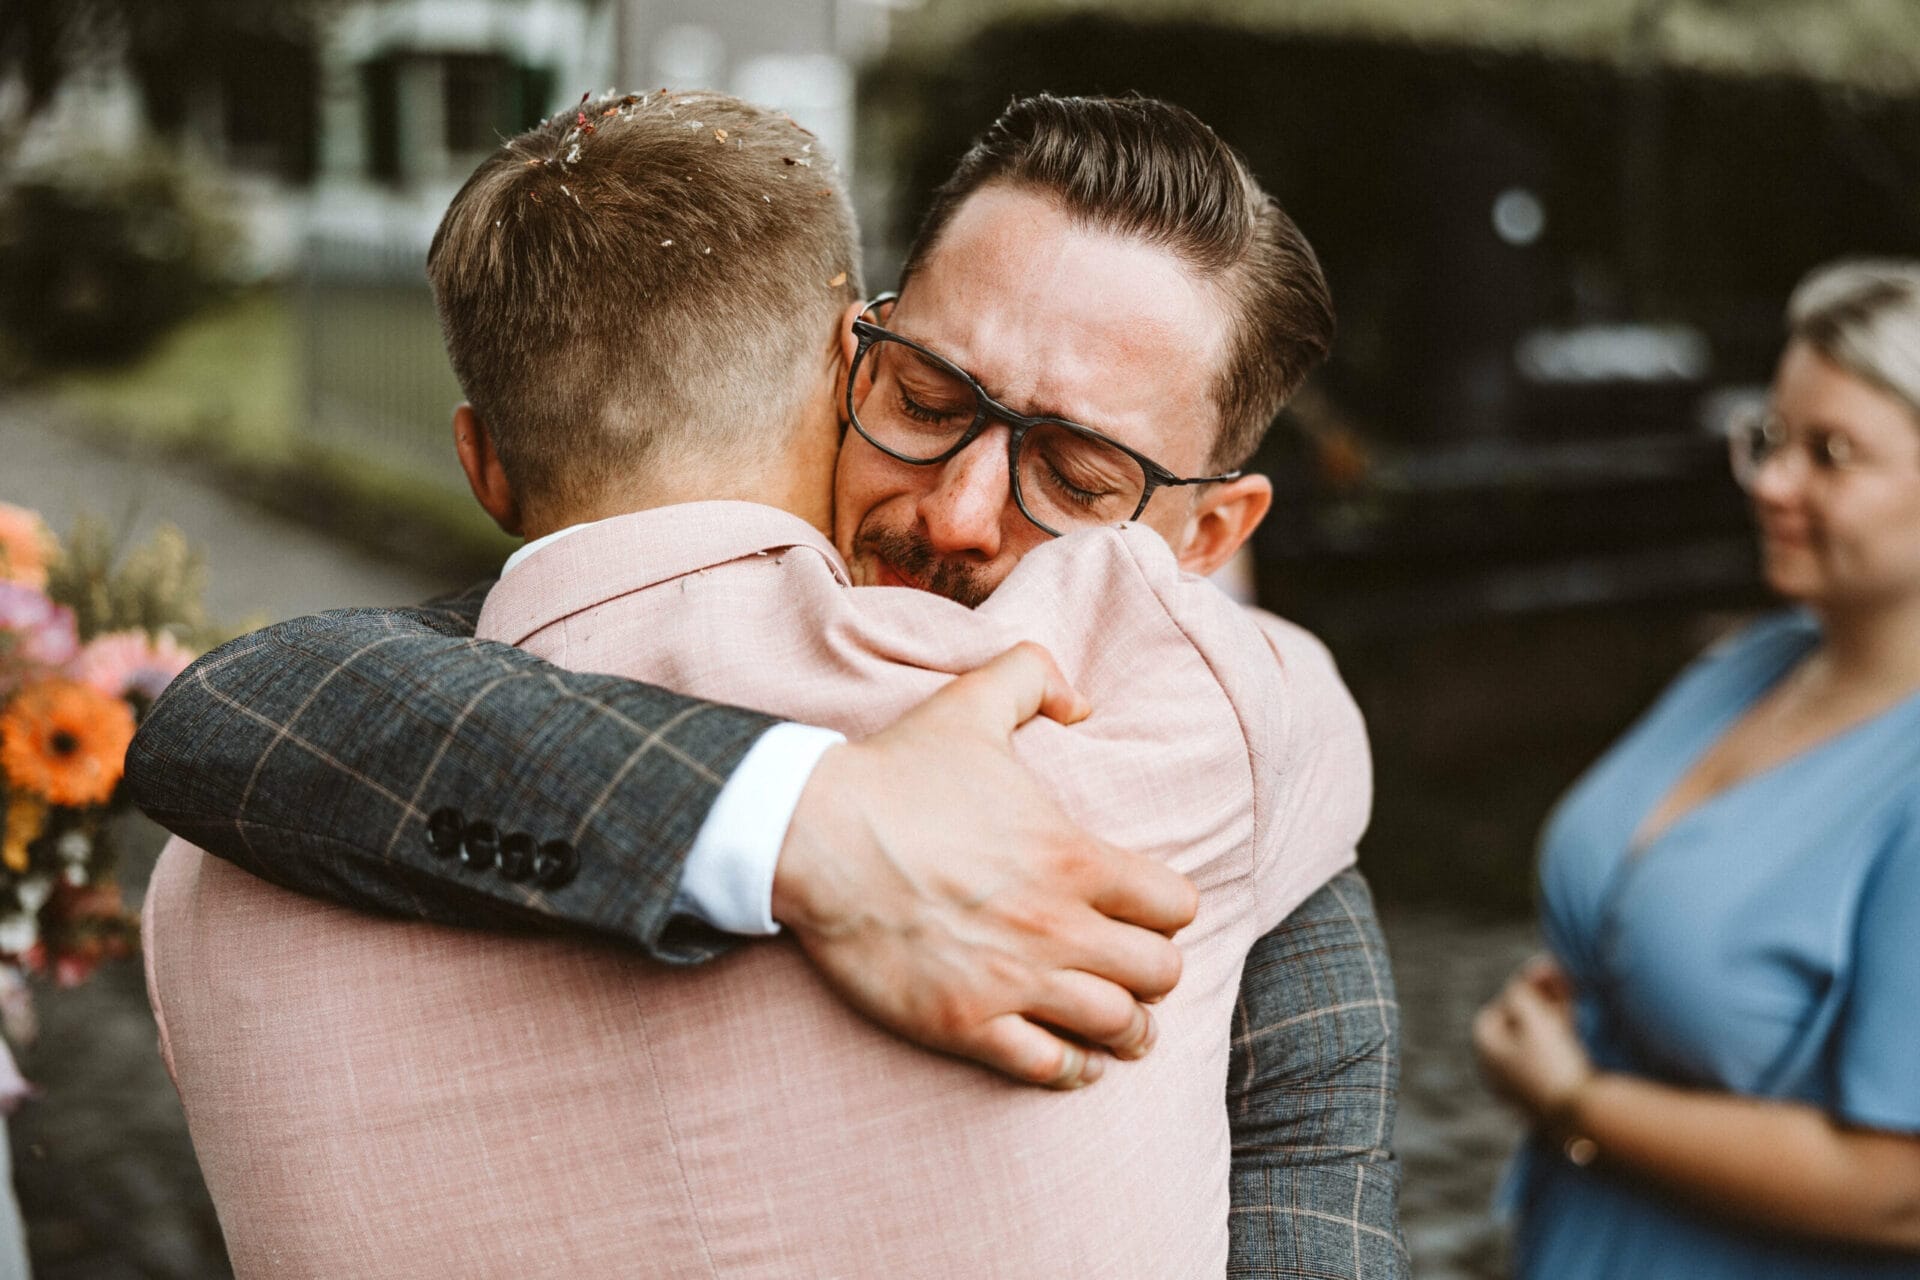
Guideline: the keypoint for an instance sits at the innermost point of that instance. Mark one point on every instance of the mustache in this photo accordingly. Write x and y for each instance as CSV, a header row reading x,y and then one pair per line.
x,y
915,557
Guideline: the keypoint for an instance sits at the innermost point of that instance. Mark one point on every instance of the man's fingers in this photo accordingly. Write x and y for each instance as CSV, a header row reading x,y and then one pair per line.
x,y
1009,691
1016,1047
1097,1011
1140,960
1133,887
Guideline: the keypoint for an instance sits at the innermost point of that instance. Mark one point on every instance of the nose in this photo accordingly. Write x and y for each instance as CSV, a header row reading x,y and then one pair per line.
x,y
1778,477
966,508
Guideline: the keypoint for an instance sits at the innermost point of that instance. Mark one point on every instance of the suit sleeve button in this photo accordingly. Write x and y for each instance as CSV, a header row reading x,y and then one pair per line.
x,y
443,832
554,863
516,856
479,846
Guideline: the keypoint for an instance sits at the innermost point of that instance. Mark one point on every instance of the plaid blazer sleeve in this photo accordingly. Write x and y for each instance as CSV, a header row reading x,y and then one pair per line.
x,y
1311,1096
315,753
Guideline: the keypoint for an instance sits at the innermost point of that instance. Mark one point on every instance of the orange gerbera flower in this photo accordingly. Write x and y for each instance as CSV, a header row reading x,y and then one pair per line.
x,y
66,741
26,546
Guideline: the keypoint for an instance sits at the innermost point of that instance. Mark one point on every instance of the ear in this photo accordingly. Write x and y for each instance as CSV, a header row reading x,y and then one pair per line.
x,y
841,351
485,476
1225,517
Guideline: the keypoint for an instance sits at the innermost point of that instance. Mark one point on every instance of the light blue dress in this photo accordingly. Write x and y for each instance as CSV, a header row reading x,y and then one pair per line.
x,y
1767,943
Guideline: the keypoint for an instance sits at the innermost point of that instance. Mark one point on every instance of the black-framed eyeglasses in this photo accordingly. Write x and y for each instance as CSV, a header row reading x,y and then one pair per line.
x,y
923,409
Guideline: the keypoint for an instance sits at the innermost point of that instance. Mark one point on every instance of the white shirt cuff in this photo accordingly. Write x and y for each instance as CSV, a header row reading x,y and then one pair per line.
x,y
728,879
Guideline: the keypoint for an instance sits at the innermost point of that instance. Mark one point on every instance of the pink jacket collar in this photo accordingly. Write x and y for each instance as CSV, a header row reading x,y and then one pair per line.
x,y
640,550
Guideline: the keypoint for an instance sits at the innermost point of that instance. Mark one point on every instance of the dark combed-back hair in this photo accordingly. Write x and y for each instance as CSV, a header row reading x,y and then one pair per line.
x,y
1148,169
638,278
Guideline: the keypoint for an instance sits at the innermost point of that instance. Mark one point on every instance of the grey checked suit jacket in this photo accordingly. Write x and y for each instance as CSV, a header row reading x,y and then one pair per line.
x,y
316,753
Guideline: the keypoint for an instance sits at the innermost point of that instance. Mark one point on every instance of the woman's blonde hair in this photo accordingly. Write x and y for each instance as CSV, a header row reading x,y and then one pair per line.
x,y
1864,315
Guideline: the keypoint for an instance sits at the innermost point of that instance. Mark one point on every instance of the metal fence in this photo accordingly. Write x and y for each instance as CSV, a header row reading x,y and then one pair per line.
x,y
377,380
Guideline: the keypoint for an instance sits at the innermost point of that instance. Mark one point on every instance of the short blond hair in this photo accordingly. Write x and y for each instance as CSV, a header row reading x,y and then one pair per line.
x,y
1864,315
640,278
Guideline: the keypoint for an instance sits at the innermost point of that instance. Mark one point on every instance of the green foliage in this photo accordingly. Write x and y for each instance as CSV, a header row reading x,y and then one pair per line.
x,y
100,255
154,587
43,41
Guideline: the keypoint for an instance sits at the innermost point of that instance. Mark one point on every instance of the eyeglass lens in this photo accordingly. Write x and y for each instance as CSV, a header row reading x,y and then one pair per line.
x,y
918,408
1762,436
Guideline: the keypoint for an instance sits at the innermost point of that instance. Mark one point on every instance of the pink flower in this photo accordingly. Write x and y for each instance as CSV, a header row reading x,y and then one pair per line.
x,y
124,662
34,633
26,545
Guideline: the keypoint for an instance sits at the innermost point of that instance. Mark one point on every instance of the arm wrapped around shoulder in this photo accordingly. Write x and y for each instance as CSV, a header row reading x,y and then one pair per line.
x,y
348,755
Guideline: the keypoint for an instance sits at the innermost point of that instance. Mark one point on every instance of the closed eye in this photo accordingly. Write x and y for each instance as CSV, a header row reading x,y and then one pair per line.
x,y
1072,492
920,412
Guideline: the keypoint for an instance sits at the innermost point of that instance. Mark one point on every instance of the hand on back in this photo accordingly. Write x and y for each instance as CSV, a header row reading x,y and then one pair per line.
x,y
943,893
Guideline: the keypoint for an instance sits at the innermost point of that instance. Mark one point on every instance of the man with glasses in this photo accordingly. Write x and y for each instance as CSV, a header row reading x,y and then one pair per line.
x,y
918,407
1119,412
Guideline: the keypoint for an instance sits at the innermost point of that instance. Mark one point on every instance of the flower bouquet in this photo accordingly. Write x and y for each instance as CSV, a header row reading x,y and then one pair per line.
x,y
85,648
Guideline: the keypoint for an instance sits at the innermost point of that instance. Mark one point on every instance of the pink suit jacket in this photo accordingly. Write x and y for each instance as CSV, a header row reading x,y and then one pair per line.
x,y
376,1098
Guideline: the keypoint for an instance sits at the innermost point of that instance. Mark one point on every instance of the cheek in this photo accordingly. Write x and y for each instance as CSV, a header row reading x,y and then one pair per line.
x,y
1881,539
1168,515
851,490
1903,543
864,480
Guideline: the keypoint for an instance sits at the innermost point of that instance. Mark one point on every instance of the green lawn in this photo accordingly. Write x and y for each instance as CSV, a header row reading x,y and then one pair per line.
x,y
228,389
228,378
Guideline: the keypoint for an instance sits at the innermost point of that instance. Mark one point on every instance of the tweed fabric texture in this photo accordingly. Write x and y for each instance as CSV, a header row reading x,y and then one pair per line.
x,y
769,1131
311,754
1312,1096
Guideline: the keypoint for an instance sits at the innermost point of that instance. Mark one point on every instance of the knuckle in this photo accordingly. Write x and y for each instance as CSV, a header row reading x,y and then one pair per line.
x,y
1072,859
954,1017
1035,919
1004,973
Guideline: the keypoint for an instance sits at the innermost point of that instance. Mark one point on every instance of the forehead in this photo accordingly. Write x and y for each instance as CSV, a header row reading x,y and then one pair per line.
x,y
1813,390
1055,317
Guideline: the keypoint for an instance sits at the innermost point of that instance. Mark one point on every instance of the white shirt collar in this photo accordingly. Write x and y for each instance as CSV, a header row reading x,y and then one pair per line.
x,y
531,547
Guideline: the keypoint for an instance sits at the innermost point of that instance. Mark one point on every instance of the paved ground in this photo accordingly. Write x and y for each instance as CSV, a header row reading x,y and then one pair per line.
x,y
104,1172
1452,1136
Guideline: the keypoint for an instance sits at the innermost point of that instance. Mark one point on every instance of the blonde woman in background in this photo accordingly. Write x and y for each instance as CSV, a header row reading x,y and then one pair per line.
x,y
1721,1060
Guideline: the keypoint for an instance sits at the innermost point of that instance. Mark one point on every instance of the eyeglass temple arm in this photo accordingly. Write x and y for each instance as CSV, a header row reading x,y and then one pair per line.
x,y
877,301
1177,480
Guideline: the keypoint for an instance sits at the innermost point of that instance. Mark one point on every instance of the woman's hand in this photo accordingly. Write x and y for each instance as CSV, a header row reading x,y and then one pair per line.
x,y
1528,1050
1783,1166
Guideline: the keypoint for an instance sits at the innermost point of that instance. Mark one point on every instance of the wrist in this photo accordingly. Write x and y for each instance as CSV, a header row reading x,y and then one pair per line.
x,y
796,896
727,880
1566,1118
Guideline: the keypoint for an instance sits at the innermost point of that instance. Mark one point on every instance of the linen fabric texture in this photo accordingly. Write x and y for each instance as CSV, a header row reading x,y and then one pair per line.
x,y
1766,943
736,1119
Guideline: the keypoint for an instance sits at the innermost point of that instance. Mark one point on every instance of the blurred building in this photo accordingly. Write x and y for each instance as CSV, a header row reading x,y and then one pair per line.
x,y
412,93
